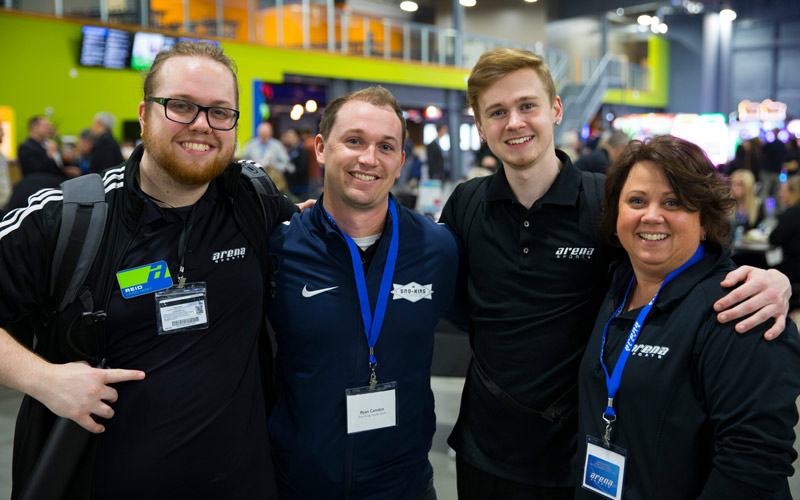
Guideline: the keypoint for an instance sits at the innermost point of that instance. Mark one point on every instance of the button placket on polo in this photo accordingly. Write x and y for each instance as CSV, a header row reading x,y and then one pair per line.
x,y
526,240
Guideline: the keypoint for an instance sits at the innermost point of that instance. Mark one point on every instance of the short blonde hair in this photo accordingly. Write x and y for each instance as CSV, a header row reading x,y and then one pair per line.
x,y
497,63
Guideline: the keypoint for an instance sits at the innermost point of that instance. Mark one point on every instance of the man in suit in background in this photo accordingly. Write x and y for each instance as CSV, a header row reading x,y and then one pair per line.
x,y
437,156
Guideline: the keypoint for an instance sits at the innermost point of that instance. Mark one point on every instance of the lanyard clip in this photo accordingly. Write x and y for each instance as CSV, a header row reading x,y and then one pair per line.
x,y
609,417
373,379
181,278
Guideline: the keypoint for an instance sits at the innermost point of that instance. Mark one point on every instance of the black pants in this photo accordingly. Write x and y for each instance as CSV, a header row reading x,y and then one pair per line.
x,y
475,484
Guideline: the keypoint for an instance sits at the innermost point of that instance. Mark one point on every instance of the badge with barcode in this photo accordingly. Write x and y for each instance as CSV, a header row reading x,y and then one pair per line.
x,y
181,309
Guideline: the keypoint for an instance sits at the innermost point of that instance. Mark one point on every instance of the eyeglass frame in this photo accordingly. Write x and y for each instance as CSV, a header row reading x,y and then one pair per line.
x,y
200,108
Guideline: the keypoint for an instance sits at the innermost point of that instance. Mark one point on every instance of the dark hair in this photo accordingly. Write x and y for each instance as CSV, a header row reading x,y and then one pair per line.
x,y
694,179
377,96
34,120
497,63
189,49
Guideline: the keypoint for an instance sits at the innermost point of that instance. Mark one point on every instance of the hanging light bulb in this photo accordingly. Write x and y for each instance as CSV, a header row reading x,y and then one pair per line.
x,y
727,15
296,113
409,6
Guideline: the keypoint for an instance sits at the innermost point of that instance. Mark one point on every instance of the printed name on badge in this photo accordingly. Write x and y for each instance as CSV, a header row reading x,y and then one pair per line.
x,y
371,409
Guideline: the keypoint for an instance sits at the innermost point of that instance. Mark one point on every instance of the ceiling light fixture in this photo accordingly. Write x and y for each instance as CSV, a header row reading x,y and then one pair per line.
x,y
644,19
727,15
296,113
409,6
467,3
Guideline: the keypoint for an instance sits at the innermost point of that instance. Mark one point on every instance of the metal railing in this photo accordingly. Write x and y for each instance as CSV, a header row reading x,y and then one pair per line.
x,y
306,24
620,73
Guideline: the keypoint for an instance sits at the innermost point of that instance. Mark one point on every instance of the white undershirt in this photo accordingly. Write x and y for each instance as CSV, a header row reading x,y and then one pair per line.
x,y
366,241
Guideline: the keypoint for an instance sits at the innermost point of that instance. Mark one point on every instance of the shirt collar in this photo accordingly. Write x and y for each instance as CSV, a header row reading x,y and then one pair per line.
x,y
153,212
716,259
322,221
564,190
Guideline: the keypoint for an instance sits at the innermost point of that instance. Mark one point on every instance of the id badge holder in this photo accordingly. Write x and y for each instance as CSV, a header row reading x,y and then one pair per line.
x,y
371,409
604,468
182,309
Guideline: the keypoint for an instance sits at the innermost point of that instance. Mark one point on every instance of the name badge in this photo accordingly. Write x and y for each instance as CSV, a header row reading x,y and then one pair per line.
x,y
144,279
368,410
604,469
181,309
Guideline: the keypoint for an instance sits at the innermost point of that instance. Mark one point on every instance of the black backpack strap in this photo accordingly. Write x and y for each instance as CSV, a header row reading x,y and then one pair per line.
x,y
261,182
82,225
473,192
594,185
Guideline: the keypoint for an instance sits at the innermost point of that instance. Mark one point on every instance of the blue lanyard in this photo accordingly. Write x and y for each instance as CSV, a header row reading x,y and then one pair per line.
x,y
612,382
372,324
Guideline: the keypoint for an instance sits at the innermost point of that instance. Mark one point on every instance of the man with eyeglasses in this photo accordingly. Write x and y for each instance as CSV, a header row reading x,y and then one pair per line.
x,y
181,281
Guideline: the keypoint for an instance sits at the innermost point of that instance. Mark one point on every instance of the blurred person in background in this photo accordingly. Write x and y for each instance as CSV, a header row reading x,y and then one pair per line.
x,y
611,144
84,149
664,396
105,152
792,161
769,175
748,157
748,211
571,144
264,149
39,154
5,179
297,179
436,156
787,233
315,174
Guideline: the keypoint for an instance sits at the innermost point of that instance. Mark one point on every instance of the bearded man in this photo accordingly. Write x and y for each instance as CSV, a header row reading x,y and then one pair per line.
x,y
181,278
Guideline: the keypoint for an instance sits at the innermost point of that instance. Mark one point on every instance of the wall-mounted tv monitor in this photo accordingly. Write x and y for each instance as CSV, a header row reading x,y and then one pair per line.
x,y
145,48
147,45
105,47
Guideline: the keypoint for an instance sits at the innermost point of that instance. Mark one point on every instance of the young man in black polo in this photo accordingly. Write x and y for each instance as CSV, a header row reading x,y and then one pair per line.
x,y
537,274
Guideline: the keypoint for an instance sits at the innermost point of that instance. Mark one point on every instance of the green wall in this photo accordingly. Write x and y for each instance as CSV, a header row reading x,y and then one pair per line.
x,y
657,94
41,73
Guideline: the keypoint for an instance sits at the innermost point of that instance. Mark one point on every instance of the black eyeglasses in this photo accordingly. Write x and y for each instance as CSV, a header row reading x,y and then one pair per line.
x,y
182,111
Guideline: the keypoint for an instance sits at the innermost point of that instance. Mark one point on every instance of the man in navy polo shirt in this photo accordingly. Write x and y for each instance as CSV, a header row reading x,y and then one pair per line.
x,y
361,284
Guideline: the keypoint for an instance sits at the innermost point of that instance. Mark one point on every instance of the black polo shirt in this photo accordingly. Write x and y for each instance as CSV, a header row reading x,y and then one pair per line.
x,y
536,279
196,426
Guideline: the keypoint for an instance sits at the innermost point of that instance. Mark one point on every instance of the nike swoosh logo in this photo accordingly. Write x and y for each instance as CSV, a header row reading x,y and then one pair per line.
x,y
310,293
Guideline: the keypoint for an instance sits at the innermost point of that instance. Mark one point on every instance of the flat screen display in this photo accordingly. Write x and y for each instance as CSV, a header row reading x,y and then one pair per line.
x,y
145,48
105,47
147,45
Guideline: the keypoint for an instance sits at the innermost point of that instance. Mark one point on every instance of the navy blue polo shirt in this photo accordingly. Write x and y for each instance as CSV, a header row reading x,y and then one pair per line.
x,y
536,279
196,426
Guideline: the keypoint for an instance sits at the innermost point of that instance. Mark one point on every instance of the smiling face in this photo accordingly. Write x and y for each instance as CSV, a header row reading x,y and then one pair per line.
x,y
657,232
191,154
363,155
516,118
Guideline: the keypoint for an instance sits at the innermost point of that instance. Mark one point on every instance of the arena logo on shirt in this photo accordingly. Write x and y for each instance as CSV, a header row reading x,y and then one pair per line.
x,y
412,292
226,255
574,253
649,351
